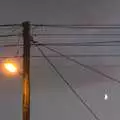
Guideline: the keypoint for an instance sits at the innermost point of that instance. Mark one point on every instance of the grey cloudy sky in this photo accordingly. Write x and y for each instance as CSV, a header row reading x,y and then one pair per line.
x,y
60,11
50,99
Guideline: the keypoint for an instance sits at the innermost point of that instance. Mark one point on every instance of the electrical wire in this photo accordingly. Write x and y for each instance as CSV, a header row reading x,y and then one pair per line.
x,y
91,43
83,65
78,55
16,54
67,25
14,29
10,25
71,26
95,44
78,35
10,35
18,47
61,45
68,84
10,45
86,66
78,26
69,55
70,44
4,57
86,44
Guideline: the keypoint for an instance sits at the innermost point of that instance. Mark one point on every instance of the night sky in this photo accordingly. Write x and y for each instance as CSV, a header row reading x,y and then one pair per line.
x,y
50,98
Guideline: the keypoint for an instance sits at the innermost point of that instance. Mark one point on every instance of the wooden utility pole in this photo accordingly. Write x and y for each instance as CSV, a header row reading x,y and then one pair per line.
x,y
26,70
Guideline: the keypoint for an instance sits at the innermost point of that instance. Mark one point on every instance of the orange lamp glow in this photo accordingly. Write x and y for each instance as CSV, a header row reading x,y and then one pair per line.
x,y
10,67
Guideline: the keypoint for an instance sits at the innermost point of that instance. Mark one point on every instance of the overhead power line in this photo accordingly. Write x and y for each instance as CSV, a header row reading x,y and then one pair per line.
x,y
91,35
106,43
4,57
109,26
83,65
68,26
78,55
58,35
63,35
10,25
91,43
10,45
86,66
10,35
69,85
18,47
79,26
69,55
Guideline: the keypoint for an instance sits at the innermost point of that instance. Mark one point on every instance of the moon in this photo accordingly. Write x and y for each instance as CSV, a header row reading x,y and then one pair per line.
x,y
106,97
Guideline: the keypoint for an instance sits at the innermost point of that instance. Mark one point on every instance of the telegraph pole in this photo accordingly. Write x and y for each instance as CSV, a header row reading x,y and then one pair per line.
x,y
26,70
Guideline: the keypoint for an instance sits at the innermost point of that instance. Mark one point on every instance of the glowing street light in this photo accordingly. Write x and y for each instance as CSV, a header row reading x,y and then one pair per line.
x,y
10,67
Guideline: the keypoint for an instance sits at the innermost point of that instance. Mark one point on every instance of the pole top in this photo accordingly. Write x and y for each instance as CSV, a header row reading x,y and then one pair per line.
x,y
26,25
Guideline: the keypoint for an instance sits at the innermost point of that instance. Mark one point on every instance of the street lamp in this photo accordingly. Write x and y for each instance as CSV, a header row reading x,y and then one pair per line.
x,y
10,67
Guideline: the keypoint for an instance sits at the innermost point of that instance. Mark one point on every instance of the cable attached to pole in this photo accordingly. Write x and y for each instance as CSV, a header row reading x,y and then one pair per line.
x,y
68,84
83,65
18,47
